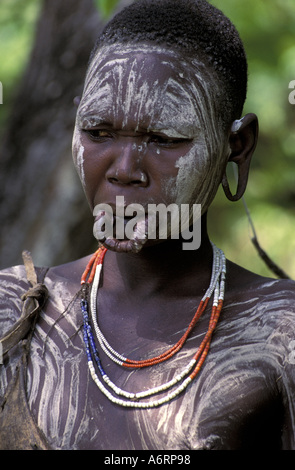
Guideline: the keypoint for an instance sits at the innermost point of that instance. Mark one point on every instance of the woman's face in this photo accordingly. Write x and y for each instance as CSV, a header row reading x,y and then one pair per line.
x,y
146,130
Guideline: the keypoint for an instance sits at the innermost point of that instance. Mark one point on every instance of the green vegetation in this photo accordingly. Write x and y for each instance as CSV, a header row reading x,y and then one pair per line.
x,y
17,26
268,31
106,6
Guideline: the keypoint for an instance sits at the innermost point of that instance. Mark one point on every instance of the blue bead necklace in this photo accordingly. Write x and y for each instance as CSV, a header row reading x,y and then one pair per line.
x,y
181,381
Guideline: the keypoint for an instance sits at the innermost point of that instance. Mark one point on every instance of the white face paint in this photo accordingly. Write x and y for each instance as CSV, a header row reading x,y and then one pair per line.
x,y
122,80
105,88
200,169
78,151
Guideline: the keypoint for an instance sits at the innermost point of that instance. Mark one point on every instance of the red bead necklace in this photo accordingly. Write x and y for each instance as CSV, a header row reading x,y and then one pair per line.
x,y
180,381
97,259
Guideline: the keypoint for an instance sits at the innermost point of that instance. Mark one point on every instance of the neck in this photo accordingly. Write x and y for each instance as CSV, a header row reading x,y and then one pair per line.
x,y
163,266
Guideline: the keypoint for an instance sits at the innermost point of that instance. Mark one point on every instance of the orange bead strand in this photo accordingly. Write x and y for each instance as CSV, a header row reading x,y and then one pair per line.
x,y
182,379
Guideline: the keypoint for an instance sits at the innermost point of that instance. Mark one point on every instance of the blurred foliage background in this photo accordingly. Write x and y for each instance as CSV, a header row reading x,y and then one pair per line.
x,y
267,28
17,27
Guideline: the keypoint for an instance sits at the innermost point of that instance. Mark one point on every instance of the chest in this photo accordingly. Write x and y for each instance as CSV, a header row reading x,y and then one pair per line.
x,y
230,404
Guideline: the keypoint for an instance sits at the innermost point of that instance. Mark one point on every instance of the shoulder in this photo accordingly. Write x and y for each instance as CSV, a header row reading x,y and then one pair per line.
x,y
13,284
259,318
246,284
276,302
62,282
263,302
70,272
261,299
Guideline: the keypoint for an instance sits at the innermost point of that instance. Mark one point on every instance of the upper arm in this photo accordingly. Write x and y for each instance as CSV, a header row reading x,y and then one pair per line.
x,y
13,284
282,342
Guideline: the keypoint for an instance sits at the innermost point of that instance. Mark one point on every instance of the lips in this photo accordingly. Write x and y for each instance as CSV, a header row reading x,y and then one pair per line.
x,y
120,233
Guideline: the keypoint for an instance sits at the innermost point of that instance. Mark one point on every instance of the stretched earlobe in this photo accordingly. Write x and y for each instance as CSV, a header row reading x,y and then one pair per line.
x,y
243,140
225,186
243,173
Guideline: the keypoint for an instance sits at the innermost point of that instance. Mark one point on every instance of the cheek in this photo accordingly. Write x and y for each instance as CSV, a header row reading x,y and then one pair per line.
x,y
193,169
199,175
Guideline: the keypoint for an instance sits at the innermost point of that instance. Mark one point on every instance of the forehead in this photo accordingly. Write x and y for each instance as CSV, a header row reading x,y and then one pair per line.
x,y
140,83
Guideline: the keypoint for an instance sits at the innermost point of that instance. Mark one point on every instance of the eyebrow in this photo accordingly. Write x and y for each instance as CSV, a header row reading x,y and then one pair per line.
x,y
183,131
91,120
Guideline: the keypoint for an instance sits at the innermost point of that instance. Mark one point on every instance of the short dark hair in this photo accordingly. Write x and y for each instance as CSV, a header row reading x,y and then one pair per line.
x,y
196,29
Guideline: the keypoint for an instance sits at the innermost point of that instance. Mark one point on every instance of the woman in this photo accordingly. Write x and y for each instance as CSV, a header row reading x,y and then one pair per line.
x,y
159,347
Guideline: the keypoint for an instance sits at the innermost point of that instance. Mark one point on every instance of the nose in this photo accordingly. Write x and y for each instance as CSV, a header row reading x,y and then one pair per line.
x,y
127,167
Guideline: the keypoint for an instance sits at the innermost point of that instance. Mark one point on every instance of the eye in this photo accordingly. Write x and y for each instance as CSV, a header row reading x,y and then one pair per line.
x,y
165,141
98,135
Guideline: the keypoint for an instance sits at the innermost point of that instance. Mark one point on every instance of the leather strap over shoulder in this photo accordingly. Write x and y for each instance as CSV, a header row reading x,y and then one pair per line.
x,y
33,301
30,268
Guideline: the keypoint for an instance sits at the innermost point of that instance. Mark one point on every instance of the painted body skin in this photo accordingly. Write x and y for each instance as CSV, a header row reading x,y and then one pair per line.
x,y
161,103
244,397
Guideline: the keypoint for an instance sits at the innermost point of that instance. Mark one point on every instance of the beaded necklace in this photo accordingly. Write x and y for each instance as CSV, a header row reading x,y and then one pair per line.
x,y
180,382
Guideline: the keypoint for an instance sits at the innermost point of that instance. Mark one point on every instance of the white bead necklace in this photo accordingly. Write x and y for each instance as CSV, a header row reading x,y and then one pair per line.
x,y
181,380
